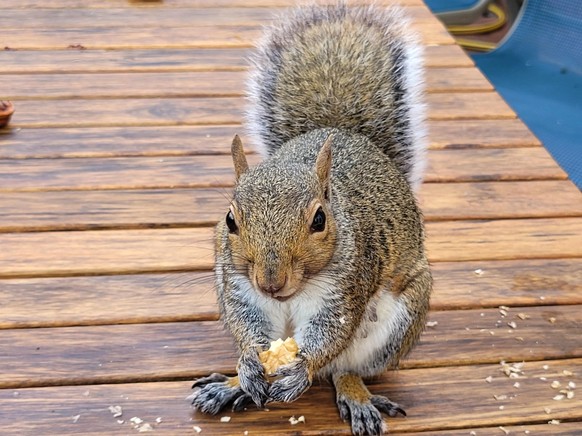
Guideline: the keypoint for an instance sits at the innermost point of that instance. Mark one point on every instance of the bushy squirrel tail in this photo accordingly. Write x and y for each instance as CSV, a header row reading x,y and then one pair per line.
x,y
353,68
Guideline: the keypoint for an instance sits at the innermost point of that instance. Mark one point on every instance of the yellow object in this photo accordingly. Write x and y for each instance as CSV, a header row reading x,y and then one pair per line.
x,y
481,28
280,353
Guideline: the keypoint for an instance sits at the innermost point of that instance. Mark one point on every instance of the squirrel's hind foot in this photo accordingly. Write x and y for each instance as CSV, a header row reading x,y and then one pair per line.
x,y
217,391
360,408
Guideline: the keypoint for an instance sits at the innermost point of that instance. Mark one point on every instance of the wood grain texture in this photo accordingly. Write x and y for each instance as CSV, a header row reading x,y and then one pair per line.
x,y
124,38
480,133
173,60
421,393
164,250
186,85
127,299
493,164
162,208
90,19
195,140
201,111
163,351
216,171
504,239
154,4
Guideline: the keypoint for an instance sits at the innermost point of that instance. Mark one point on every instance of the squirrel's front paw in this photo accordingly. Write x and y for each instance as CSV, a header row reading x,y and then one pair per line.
x,y
215,392
295,379
251,374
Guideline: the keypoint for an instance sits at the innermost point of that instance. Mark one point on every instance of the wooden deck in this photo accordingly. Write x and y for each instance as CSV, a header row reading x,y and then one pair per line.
x,y
115,168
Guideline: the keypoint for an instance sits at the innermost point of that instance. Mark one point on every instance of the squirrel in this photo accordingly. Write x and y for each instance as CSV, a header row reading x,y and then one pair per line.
x,y
324,239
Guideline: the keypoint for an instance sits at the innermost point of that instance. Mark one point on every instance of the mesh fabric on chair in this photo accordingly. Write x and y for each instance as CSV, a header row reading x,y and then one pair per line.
x,y
538,71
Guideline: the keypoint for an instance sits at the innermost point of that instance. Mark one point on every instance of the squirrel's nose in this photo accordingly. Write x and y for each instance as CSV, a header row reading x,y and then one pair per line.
x,y
272,287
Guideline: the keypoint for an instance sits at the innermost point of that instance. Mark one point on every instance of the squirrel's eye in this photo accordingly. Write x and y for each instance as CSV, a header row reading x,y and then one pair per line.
x,y
231,223
318,224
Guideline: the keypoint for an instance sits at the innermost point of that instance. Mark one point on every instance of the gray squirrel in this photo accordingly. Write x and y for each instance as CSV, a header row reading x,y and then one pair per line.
x,y
324,240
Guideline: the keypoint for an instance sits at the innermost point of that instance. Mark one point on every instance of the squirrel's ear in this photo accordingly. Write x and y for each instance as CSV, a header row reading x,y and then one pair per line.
x,y
323,165
238,157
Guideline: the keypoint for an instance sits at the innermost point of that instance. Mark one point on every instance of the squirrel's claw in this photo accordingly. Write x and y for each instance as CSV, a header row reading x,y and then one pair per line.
x,y
364,417
214,393
386,406
251,375
295,379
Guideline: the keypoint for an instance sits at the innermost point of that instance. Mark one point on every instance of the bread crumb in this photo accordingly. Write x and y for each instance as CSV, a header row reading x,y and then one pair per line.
x,y
472,434
547,410
489,379
295,421
571,384
567,373
523,316
431,323
516,385
76,418
570,395
500,397
555,384
554,422
280,353
504,430
144,428
196,429
225,419
552,319
559,397
546,367
503,312
512,324
116,411
479,272
159,420
136,421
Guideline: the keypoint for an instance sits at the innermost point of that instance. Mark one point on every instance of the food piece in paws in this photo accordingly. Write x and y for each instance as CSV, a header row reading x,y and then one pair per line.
x,y
280,353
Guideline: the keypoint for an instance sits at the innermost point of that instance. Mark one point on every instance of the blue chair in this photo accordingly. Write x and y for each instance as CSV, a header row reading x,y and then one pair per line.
x,y
538,71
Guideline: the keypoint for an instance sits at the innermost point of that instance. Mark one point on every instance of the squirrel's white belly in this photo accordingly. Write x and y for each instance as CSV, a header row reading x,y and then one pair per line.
x,y
385,322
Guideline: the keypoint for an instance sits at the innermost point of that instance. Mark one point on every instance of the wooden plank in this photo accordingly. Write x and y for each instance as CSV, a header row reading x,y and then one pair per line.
x,y
101,300
429,397
132,4
123,38
493,164
163,351
186,85
119,61
216,171
491,200
194,140
89,19
122,299
91,210
480,134
111,252
504,239
508,282
164,250
545,429
205,111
